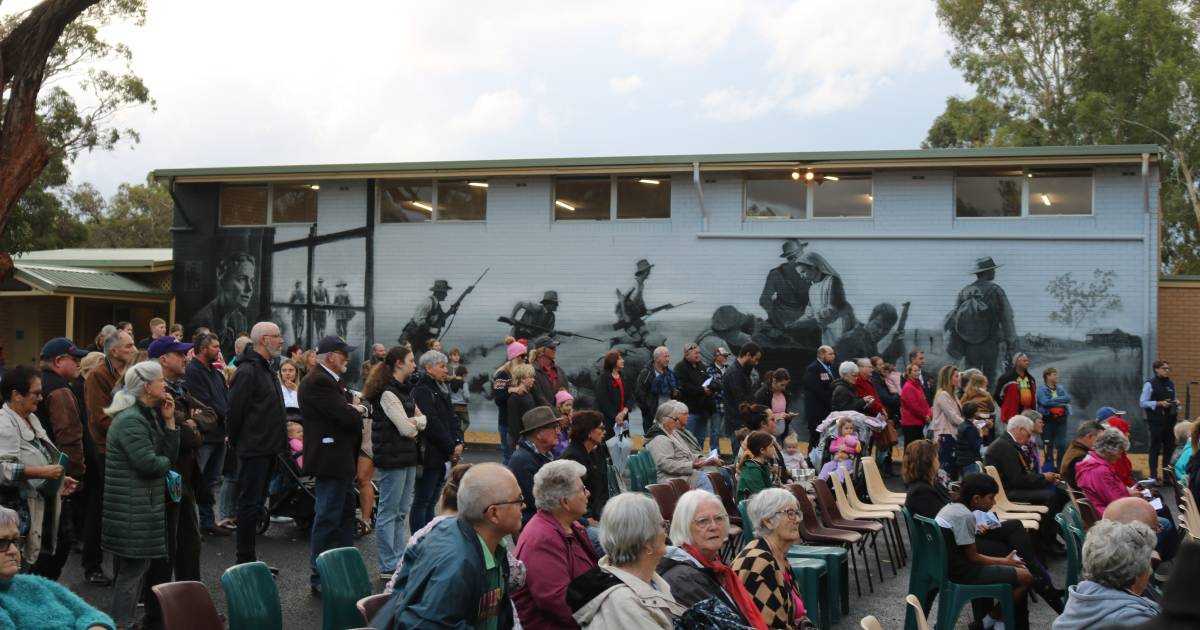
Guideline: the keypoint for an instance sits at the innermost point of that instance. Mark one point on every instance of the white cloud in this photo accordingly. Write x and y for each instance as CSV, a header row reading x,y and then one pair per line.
x,y
492,111
677,31
733,105
625,85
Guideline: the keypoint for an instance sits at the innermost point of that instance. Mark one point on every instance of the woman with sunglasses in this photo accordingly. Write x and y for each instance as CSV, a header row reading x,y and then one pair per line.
x,y
762,565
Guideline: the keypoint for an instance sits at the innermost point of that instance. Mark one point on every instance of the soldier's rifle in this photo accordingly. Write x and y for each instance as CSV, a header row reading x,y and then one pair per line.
x,y
542,329
454,307
623,323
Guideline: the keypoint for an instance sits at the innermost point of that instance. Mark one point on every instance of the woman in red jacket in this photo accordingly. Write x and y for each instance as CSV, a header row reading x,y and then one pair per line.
x,y
914,409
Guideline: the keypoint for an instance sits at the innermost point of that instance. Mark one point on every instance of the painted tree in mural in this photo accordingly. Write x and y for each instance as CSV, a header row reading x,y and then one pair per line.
x,y
57,99
1085,72
1081,301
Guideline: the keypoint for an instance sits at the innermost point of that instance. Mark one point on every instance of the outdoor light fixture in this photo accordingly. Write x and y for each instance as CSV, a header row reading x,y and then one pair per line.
x,y
808,176
870,197
832,178
424,206
478,184
315,187
564,205
1045,199
795,174
649,181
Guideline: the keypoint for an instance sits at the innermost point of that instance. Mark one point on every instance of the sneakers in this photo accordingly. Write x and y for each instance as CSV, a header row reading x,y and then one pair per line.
x,y
386,576
97,578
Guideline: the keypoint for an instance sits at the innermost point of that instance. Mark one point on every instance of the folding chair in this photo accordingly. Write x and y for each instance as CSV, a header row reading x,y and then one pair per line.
x,y
344,581
187,606
251,597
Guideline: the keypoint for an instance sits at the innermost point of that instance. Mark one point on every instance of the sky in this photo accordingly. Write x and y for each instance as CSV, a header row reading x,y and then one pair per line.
x,y
270,82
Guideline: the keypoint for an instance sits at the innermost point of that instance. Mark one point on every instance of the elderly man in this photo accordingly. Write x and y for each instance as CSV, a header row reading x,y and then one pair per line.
x,y
333,426
1085,435
119,353
256,426
548,378
1021,484
378,354
1116,572
1016,389
533,452
655,385
818,383
694,392
206,383
458,577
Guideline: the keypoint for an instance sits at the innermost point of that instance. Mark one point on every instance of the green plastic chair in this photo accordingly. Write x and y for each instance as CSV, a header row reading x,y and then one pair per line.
x,y
747,526
1073,514
636,484
837,567
1074,557
643,463
812,578
344,581
953,595
922,583
251,598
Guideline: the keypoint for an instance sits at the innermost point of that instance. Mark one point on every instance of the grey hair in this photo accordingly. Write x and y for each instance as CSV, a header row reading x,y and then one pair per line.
x,y
1032,414
969,372
260,330
630,521
847,368
765,507
1018,356
432,358
111,341
480,488
554,482
1088,427
1019,422
1117,554
136,379
685,513
239,344
1110,442
661,351
668,409
9,517
862,362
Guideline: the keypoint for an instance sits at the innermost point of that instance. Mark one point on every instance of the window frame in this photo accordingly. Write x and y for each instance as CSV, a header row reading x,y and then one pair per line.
x,y
613,199
809,198
434,215
1025,176
270,222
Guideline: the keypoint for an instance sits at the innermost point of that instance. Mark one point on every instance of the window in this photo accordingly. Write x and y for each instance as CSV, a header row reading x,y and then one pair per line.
x,y
294,203
1059,191
842,196
776,198
988,193
414,200
605,198
243,205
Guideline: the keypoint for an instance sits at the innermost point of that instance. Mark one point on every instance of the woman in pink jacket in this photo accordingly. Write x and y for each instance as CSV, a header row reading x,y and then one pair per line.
x,y
1096,474
914,409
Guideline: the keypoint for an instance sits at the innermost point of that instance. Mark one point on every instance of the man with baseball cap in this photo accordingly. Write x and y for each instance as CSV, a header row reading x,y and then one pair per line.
x,y
533,452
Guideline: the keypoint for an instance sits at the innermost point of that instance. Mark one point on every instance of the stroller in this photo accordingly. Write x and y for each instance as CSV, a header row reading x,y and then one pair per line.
x,y
291,495
864,427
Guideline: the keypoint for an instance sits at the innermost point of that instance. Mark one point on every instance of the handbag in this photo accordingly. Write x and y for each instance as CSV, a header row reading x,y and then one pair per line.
x,y
174,486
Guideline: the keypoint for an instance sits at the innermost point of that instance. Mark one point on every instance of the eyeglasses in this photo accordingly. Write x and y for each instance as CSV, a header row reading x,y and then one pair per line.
x,y
5,543
520,499
709,521
791,513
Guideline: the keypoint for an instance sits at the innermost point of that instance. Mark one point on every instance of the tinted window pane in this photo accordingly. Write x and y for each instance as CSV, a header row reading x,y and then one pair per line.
x,y
582,199
1060,192
776,198
647,197
987,194
294,203
405,201
244,205
849,195
462,201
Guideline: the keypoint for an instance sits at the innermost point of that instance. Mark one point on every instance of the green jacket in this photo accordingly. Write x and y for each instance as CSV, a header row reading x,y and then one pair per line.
x,y
754,477
140,452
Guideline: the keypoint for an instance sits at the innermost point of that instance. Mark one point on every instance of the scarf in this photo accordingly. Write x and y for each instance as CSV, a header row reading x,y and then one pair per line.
x,y
664,383
733,587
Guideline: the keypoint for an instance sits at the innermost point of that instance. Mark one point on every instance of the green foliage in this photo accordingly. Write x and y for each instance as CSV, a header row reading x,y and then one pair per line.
x,y
41,220
1084,72
1083,302
138,215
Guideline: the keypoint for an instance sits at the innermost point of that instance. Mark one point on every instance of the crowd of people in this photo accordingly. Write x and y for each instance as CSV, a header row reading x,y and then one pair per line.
x,y
138,450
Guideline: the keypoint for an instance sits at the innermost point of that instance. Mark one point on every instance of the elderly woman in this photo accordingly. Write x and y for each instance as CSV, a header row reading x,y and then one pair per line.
x,y
1116,570
623,592
762,564
554,546
1095,474
673,457
28,462
442,438
30,602
845,396
143,441
694,569
587,434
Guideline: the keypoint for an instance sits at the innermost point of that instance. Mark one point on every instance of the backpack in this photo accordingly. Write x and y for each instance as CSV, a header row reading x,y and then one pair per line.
x,y
973,320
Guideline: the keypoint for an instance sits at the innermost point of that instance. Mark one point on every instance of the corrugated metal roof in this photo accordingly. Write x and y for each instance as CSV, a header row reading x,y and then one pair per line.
x,y
158,258
1084,153
73,280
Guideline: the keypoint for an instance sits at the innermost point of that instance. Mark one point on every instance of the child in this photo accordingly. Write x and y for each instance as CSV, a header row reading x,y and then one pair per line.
x,y
565,403
792,457
295,433
969,439
845,448
754,474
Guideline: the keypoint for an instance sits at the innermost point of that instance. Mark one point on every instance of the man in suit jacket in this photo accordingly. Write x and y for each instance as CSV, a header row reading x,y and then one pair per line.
x,y
1024,485
819,377
333,425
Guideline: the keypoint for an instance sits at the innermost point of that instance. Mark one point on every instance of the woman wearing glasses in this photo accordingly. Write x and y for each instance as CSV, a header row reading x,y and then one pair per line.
x,y
693,568
30,602
762,564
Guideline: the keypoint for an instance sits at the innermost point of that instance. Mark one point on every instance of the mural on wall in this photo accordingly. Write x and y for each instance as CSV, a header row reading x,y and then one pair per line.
x,y
223,286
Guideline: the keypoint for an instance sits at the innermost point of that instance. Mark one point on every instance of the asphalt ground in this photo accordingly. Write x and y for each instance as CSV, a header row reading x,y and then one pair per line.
x,y
285,547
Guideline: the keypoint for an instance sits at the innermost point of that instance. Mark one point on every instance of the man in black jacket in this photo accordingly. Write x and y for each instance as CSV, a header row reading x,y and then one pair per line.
x,y
533,452
256,429
206,383
698,398
738,388
548,378
333,425
1022,484
818,382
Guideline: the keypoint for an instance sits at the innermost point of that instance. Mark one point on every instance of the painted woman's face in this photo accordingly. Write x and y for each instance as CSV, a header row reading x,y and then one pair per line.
x,y
238,285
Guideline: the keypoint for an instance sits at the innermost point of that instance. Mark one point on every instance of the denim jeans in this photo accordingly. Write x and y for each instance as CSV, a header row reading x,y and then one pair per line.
x,y
1054,437
127,587
706,425
970,468
333,524
212,457
229,495
733,422
254,473
391,525
425,496
506,450
946,444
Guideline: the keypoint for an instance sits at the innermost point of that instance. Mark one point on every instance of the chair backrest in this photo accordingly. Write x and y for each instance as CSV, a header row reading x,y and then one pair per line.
x,y
808,514
1073,549
747,526
679,486
826,503
932,545
1087,513
918,612
870,623
875,485
187,606
722,490
251,597
839,496
664,496
344,581
369,606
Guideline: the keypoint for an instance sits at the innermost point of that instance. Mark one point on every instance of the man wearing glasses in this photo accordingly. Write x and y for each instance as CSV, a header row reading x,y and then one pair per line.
x,y
1162,406
459,575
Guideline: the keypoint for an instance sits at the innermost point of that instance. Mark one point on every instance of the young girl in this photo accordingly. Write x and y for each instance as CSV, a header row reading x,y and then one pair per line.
x,y
754,474
845,449
966,564
565,403
792,457
295,433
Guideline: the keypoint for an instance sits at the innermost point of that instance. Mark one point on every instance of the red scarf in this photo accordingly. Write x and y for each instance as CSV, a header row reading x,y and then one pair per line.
x,y
733,586
620,385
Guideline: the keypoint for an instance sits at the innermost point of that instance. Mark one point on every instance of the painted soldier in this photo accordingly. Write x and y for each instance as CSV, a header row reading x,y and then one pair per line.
x,y
827,309
631,305
981,321
298,298
342,316
730,328
785,294
429,318
862,341
320,296
540,316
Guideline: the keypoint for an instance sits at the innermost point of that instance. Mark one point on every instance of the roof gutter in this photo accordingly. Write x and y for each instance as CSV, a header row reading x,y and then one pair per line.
x,y
700,194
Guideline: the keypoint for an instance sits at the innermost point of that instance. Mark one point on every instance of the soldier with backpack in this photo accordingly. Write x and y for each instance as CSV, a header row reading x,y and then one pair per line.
x,y
981,320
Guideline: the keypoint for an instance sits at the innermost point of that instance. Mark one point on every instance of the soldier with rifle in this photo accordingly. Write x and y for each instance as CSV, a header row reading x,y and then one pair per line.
x,y
430,321
631,309
537,331
531,320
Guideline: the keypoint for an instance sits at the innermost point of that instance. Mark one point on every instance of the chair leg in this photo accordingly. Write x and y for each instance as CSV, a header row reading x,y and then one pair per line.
x,y
854,566
862,548
891,560
887,540
900,541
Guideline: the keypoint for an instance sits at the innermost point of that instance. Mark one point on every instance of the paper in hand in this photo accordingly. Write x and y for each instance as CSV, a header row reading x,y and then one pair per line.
x,y
714,454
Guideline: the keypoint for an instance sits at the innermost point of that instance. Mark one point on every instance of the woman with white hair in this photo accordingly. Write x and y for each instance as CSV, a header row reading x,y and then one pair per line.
x,y
623,592
844,396
693,568
442,438
32,602
1095,474
1116,570
554,546
762,564
673,458
143,441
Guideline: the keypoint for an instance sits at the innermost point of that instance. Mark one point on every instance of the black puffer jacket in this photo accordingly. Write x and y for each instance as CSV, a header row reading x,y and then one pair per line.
x,y
443,429
256,422
691,387
845,398
391,449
